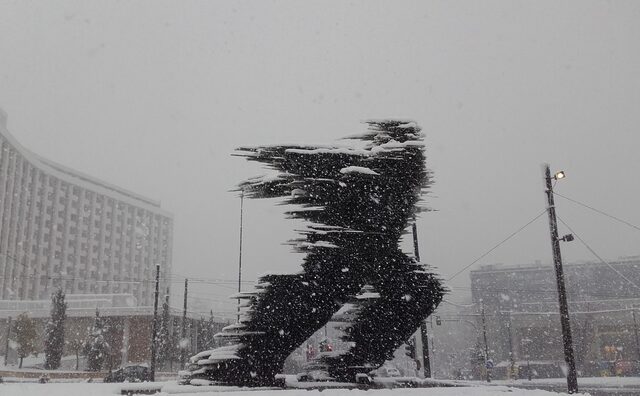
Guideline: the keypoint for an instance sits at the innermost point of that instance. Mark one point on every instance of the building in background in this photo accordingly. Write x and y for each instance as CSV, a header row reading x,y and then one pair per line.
x,y
60,228
127,329
523,322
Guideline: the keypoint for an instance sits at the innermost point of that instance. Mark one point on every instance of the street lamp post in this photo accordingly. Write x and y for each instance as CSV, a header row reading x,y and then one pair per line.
x,y
572,378
426,360
487,362
154,331
240,253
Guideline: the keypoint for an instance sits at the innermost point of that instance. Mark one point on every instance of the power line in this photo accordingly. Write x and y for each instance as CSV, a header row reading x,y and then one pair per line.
x,y
596,254
498,245
599,211
532,291
619,300
141,281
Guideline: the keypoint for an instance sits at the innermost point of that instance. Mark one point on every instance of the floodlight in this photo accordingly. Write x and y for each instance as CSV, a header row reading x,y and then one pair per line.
x,y
559,175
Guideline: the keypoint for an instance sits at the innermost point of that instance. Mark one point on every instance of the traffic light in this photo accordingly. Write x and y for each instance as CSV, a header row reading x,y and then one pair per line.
x,y
410,348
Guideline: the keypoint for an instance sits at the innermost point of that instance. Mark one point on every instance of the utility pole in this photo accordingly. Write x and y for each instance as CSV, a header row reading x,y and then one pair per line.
x,y
416,250
6,346
635,329
572,377
170,329
240,253
426,367
512,360
154,332
183,332
486,345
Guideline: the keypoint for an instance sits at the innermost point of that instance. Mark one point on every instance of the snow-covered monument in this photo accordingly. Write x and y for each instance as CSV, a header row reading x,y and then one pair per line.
x,y
358,200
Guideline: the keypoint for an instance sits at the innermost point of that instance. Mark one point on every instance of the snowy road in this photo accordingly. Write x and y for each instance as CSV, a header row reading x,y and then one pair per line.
x,y
170,388
600,386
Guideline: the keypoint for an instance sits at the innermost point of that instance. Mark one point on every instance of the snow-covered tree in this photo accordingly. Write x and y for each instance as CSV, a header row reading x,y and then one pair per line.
x,y
25,332
359,200
76,345
96,347
54,331
207,329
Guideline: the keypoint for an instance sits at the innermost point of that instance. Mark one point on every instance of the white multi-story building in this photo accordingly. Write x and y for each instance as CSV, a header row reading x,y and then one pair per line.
x,y
62,229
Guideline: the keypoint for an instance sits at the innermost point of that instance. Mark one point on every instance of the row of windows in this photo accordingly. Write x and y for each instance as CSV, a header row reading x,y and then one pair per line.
x,y
67,202
95,272
95,249
76,192
91,288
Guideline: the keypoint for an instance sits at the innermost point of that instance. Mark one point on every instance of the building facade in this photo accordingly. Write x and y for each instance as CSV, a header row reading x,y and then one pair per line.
x,y
128,328
522,315
62,229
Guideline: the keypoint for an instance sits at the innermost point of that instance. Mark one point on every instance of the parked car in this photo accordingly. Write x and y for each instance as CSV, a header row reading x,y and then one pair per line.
x,y
184,376
387,371
314,371
131,373
626,368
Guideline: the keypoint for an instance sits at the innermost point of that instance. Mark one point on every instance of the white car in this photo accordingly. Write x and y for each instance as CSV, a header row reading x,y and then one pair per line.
x,y
314,371
387,371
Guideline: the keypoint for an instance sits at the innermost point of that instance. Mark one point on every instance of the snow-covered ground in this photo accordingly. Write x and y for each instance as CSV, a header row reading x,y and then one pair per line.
x,y
170,388
611,382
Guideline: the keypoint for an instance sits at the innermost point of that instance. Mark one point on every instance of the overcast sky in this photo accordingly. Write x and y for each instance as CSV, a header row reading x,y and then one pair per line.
x,y
154,96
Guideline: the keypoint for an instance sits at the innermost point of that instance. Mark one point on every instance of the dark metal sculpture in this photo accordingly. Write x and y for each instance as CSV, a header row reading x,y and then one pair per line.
x,y
359,201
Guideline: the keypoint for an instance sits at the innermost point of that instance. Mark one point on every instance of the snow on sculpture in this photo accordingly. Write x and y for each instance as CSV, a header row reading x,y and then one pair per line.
x,y
358,201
